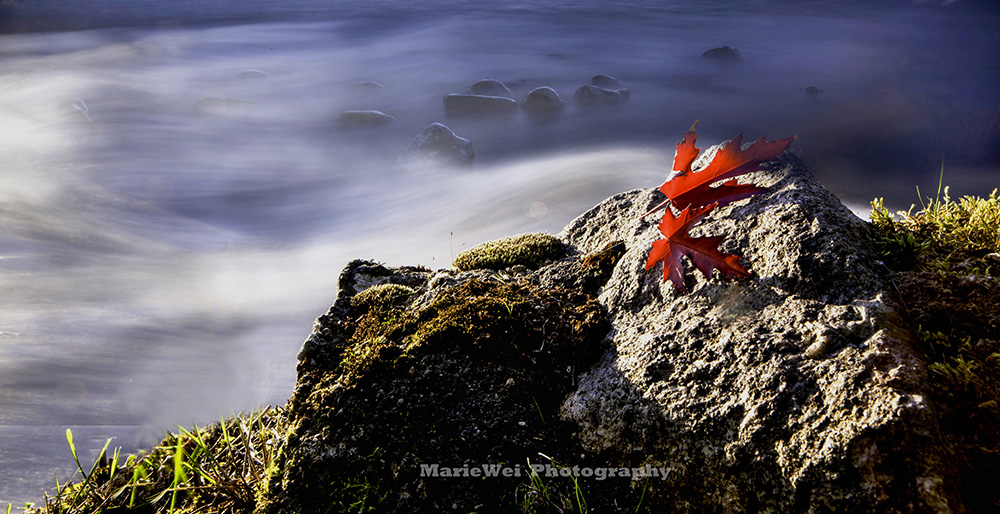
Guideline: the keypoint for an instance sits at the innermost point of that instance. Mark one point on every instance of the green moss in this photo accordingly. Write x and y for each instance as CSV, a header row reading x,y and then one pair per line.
x,y
529,250
381,296
485,320
943,235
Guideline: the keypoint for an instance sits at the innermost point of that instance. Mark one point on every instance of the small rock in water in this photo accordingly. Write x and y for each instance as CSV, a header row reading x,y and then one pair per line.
x,y
723,54
437,145
812,90
593,95
543,100
490,87
253,74
369,85
470,105
362,119
606,82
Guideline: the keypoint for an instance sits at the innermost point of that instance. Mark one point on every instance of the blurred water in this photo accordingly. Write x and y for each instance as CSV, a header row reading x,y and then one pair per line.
x,y
161,267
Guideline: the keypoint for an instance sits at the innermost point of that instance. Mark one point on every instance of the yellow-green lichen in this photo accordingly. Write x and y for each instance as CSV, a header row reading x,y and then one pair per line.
x,y
529,250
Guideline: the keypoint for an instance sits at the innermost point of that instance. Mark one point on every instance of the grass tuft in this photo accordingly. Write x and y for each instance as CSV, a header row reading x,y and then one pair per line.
x,y
220,469
942,236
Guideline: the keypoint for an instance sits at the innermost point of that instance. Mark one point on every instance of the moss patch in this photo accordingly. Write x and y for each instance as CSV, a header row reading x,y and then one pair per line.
x,y
529,250
947,272
469,371
944,236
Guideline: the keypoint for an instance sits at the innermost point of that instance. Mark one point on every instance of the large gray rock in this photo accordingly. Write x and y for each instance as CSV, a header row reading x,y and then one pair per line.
x,y
436,145
794,390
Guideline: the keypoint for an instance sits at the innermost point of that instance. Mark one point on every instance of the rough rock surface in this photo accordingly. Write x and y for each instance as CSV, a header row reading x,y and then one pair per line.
x,y
436,145
794,390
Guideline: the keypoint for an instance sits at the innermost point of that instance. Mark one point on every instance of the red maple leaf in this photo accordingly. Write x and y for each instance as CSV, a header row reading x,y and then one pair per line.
x,y
687,187
703,251
693,191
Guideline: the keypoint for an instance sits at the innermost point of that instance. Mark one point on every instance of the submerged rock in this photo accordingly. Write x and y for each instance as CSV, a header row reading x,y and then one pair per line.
x,y
593,95
369,86
723,54
359,119
794,390
543,100
437,145
490,87
253,74
478,105
606,82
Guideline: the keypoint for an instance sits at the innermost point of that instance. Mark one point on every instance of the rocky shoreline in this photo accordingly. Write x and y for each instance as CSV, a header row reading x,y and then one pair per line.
x,y
555,373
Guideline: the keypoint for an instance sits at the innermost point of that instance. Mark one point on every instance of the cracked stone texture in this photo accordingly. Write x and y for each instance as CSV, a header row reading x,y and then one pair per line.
x,y
794,390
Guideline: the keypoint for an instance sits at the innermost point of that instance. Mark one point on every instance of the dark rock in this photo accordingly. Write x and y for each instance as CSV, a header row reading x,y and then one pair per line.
x,y
543,100
490,87
436,145
606,82
370,85
478,105
471,375
360,119
593,95
723,54
812,90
